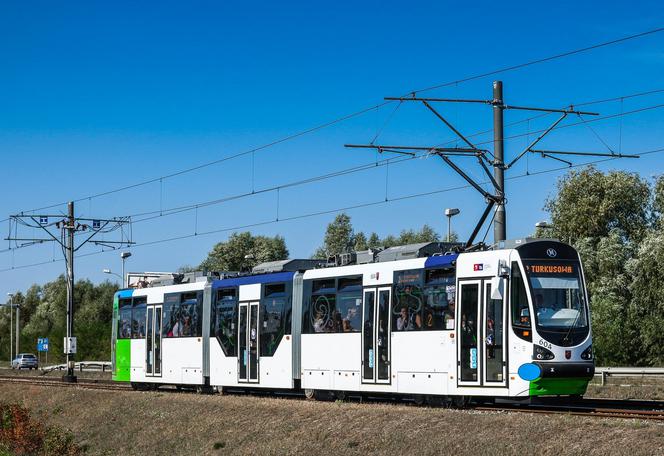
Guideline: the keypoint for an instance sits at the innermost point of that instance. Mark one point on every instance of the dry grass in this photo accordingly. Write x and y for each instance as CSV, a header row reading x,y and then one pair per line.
x,y
172,423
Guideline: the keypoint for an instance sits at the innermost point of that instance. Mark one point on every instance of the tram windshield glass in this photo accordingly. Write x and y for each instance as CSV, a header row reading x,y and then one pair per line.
x,y
558,296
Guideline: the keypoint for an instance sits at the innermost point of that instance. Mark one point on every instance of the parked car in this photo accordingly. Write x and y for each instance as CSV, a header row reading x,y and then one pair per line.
x,y
25,361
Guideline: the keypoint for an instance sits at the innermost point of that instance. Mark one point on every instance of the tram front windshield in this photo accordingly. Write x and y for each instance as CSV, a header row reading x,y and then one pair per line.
x,y
558,296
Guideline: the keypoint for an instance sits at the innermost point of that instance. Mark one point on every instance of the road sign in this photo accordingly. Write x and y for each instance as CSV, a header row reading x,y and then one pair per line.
x,y
42,344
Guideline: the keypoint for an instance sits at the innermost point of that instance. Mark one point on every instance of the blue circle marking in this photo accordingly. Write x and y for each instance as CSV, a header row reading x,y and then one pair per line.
x,y
530,372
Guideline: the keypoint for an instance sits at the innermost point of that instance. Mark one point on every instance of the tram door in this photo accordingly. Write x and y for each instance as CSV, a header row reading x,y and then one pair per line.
x,y
153,341
376,354
248,353
493,333
480,327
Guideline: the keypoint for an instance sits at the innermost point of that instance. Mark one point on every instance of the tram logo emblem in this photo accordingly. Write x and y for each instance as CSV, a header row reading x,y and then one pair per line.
x,y
478,267
551,252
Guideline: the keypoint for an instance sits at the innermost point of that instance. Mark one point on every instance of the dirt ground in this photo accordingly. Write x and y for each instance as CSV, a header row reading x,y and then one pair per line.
x,y
111,422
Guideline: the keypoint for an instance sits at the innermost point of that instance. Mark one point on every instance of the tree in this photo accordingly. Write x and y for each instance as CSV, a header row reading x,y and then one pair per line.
x,y
244,251
647,288
374,241
605,266
589,204
361,242
339,237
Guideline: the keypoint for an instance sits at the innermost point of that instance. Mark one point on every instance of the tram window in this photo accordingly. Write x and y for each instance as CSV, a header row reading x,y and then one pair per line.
x,y
323,286
333,305
350,284
439,295
224,320
171,314
322,308
138,317
191,314
275,317
124,319
519,304
276,289
408,302
183,314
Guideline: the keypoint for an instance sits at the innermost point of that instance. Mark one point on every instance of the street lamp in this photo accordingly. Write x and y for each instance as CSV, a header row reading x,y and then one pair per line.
x,y
108,271
449,213
124,256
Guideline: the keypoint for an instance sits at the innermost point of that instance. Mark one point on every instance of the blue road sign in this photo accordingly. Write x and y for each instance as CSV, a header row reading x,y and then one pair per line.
x,y
42,344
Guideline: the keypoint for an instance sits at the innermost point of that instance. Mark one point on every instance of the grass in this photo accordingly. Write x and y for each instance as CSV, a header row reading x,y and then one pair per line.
x,y
108,422
644,388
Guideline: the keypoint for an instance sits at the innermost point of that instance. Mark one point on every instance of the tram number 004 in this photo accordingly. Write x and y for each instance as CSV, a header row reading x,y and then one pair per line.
x,y
545,344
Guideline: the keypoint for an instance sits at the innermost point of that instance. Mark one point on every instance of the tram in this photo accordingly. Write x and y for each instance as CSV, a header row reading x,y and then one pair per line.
x,y
510,321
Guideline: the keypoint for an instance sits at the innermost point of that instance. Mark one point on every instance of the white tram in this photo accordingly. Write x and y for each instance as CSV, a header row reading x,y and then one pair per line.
x,y
511,321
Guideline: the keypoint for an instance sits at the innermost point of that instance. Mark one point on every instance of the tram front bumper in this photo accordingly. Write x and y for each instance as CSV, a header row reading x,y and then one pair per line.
x,y
583,369
562,379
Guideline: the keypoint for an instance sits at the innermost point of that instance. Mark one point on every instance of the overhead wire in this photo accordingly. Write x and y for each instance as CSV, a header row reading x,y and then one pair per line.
x,y
324,212
356,114
150,215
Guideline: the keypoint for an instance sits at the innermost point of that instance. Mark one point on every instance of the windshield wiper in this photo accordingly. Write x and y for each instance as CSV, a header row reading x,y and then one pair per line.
x,y
576,319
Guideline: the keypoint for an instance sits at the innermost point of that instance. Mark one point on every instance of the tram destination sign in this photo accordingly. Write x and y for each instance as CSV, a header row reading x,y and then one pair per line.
x,y
548,268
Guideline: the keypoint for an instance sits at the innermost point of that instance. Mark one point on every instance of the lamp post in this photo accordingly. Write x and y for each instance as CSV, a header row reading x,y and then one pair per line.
x,y
449,213
124,256
18,326
11,325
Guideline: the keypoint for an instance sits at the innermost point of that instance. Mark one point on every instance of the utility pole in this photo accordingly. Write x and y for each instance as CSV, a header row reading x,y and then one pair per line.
x,y
499,228
68,227
486,158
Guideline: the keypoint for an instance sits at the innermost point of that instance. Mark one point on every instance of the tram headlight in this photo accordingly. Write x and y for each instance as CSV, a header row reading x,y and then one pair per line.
x,y
587,353
540,353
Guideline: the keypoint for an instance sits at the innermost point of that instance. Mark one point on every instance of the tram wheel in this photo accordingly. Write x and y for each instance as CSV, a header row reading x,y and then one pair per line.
x,y
576,397
341,395
310,394
435,401
419,399
460,401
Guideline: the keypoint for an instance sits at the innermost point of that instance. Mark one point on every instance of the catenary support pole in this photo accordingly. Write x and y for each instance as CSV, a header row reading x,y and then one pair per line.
x,y
499,228
70,228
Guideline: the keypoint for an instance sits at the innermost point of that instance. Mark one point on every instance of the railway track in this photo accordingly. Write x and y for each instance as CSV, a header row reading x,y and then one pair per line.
x,y
82,383
582,409
597,408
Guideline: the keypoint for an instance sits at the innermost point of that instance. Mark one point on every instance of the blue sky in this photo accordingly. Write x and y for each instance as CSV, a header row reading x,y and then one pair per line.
x,y
98,96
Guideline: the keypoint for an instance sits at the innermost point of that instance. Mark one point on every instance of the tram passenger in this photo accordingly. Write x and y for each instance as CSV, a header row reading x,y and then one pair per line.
x,y
468,332
407,322
348,321
186,325
177,327
490,339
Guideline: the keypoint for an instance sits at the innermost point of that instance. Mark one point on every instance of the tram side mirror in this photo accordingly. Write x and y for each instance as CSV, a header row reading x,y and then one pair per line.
x,y
503,270
497,287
